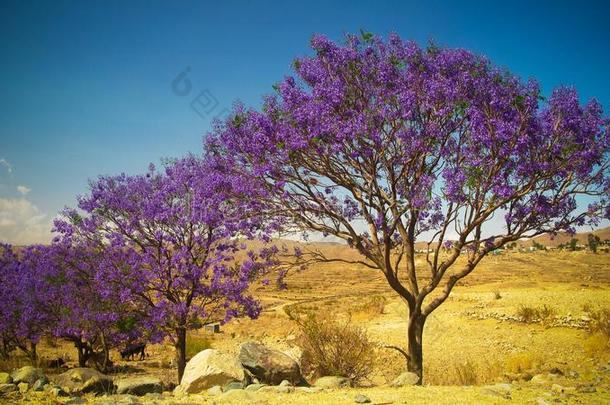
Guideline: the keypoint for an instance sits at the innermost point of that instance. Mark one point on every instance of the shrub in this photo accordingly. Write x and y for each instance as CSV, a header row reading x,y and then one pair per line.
x,y
600,321
527,314
543,314
331,347
497,295
196,344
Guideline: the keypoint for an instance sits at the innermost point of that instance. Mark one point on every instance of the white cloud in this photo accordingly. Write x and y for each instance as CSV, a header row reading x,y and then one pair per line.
x,y
7,165
23,189
22,223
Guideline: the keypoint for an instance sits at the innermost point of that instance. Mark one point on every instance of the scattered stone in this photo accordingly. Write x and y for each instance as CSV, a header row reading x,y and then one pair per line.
x,y
269,366
140,385
362,399
309,390
285,383
39,384
405,379
573,374
557,389
27,374
234,385
5,378
285,389
215,391
23,387
58,391
540,379
333,382
7,388
84,380
207,369
556,371
501,390
254,387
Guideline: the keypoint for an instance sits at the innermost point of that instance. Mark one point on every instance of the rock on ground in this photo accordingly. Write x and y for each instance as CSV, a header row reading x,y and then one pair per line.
x,y
405,379
333,382
85,380
208,368
23,387
362,399
501,390
5,378
27,374
139,385
269,366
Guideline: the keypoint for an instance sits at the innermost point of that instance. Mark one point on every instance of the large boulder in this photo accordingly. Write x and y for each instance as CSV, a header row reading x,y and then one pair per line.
x,y
85,380
269,366
27,374
139,385
207,369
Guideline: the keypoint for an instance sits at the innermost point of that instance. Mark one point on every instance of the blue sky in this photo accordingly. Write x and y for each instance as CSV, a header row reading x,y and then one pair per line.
x,y
87,86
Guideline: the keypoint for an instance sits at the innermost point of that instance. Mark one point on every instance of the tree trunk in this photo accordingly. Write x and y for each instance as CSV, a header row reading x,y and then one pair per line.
x,y
180,346
414,335
33,354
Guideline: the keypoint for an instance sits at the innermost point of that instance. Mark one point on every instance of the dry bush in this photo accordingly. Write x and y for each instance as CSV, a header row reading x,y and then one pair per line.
x,y
196,344
390,364
497,295
600,321
331,347
463,372
543,314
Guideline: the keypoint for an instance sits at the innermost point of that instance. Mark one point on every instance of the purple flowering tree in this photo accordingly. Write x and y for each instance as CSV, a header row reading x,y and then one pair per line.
x,y
23,316
81,305
384,144
176,235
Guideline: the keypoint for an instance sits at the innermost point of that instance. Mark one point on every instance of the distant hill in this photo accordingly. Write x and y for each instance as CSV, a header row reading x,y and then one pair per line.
x,y
563,238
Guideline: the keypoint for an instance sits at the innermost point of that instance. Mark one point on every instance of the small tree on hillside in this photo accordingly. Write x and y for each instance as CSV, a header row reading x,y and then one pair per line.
x,y
383,144
573,244
175,234
593,241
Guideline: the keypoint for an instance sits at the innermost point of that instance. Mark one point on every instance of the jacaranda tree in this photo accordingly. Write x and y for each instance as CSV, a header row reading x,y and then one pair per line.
x,y
175,234
83,308
23,319
383,144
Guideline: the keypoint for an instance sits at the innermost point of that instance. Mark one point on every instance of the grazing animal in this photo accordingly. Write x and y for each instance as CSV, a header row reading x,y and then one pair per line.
x,y
133,350
56,363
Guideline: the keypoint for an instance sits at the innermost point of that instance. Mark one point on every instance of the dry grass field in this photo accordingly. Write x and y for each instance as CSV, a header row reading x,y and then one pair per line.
x,y
475,339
